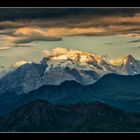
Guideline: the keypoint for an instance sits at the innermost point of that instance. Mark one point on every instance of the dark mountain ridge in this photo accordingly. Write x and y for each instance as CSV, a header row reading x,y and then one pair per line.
x,y
115,90
40,115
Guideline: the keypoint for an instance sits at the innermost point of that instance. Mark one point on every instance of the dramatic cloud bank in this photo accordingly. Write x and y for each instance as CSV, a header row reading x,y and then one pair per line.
x,y
80,20
93,22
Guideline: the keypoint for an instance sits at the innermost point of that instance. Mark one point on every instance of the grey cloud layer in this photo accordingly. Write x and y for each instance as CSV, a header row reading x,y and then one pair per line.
x,y
93,22
27,35
112,23
27,39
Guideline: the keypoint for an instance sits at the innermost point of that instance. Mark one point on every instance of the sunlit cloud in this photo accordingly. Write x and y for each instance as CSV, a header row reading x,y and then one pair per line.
x,y
65,54
27,35
118,61
133,35
75,31
6,31
20,63
25,31
29,31
93,31
4,48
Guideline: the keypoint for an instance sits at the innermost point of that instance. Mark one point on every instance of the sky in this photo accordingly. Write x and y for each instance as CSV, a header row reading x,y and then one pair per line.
x,y
26,32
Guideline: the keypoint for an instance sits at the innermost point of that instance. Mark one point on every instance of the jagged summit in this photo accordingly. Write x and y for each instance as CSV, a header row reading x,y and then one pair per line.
x,y
130,56
121,61
130,59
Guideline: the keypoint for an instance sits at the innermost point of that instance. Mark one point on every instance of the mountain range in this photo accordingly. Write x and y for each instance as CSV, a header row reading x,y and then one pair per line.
x,y
78,87
112,89
85,68
42,116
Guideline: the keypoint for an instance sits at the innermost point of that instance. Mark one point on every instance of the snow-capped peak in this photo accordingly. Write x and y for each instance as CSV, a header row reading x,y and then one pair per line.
x,y
122,61
65,54
130,59
62,64
127,65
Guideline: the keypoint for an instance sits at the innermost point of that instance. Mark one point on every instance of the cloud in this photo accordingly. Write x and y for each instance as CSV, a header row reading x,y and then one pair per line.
x,y
108,43
27,35
11,24
133,35
63,51
92,31
6,31
35,38
4,48
24,45
23,31
60,51
81,19
118,61
66,54
56,52
20,63
88,18
28,31
134,41
86,23
75,31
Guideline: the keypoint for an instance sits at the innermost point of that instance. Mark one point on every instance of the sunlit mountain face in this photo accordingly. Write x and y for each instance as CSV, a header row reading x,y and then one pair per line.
x,y
65,56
